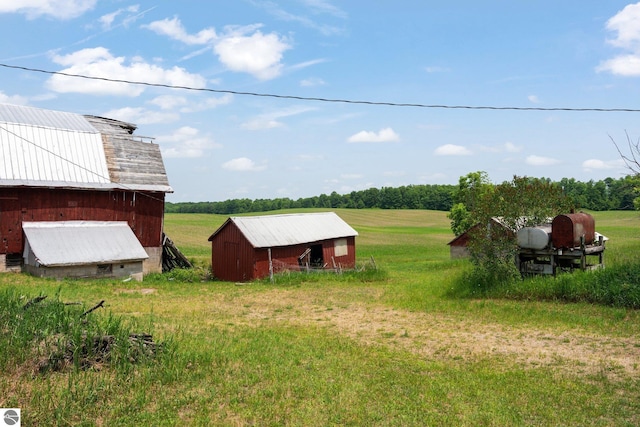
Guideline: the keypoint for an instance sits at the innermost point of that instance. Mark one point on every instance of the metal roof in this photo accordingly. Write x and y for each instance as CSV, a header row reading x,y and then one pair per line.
x,y
63,243
37,117
290,229
59,149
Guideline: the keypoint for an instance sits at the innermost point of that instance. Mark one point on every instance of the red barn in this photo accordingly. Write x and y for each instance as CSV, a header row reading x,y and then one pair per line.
x,y
59,166
248,248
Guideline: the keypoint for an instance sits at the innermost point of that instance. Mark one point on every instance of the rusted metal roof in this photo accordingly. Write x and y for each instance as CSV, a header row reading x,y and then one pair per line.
x,y
61,243
291,229
45,148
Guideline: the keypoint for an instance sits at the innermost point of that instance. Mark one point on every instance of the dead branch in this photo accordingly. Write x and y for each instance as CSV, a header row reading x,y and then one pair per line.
x,y
33,301
631,160
95,307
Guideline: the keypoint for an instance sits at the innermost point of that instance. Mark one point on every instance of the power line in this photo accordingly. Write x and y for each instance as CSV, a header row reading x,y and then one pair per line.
x,y
334,100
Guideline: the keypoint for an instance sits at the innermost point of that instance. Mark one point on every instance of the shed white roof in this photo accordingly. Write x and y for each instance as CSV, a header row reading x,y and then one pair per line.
x,y
60,243
59,149
290,229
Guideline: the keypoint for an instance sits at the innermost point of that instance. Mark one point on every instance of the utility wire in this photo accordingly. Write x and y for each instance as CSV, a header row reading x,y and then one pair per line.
x,y
344,101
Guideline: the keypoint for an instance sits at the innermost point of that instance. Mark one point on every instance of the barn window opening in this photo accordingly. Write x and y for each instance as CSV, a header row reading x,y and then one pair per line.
x,y
13,260
340,247
316,256
105,268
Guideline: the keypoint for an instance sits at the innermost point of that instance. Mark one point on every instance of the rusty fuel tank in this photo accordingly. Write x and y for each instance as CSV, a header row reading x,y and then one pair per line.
x,y
566,230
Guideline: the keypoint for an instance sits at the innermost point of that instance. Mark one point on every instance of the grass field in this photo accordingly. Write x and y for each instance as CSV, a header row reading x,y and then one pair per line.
x,y
399,350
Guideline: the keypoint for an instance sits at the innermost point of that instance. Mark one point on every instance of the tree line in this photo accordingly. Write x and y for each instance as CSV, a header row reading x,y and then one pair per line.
x,y
607,194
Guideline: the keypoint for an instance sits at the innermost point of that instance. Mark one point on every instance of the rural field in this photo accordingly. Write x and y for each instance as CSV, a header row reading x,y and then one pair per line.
x,y
399,347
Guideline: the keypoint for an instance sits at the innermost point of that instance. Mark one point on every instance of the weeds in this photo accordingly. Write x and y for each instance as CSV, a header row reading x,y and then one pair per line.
x,y
616,286
365,274
49,335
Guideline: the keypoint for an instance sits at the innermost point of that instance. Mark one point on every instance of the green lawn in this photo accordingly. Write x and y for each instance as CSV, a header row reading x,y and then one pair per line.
x,y
327,350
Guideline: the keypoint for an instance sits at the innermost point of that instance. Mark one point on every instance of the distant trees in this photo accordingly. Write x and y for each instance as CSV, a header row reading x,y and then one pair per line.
x,y
608,194
431,197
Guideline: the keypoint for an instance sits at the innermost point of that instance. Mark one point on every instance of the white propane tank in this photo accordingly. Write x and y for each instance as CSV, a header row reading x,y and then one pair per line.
x,y
536,238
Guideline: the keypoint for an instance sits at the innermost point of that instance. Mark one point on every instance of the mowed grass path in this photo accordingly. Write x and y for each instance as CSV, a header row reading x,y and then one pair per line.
x,y
333,352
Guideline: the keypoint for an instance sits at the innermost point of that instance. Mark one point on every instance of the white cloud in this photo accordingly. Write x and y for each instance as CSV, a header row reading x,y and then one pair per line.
x,y
510,147
507,147
384,135
186,142
106,21
98,62
622,65
317,7
141,116
533,99
242,164
595,164
174,29
541,161
270,120
626,25
14,99
239,48
61,9
312,81
306,64
257,54
452,150
169,102
326,7
208,103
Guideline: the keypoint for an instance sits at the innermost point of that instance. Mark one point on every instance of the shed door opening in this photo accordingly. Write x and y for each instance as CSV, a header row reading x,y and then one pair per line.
x,y
317,258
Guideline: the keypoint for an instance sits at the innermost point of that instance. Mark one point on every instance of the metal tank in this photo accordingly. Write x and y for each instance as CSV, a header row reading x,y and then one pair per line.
x,y
534,237
567,230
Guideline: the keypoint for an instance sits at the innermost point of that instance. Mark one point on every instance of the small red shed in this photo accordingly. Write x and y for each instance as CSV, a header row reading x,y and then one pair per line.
x,y
250,247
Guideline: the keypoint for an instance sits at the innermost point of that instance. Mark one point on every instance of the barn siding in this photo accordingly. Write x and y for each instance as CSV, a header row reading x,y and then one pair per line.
x,y
143,212
286,258
232,257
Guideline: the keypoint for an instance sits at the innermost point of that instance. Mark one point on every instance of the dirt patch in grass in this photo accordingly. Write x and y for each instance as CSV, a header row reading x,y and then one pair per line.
x,y
436,336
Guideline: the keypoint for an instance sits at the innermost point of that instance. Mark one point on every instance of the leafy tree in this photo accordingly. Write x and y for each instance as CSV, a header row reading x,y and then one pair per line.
x,y
521,202
471,188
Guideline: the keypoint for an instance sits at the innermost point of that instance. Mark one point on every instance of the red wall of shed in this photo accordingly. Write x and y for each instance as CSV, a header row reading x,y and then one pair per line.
x,y
234,259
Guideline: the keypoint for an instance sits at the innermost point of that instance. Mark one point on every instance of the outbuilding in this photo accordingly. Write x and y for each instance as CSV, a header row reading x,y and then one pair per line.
x,y
61,166
252,247
77,249
459,246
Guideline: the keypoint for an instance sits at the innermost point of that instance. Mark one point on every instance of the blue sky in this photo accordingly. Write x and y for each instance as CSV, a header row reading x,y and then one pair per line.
x,y
218,145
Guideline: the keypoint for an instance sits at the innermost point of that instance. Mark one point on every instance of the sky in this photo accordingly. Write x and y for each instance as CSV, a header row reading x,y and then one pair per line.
x,y
265,99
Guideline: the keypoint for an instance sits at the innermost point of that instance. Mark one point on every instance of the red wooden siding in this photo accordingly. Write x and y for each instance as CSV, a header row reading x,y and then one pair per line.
x,y
234,259
232,256
142,211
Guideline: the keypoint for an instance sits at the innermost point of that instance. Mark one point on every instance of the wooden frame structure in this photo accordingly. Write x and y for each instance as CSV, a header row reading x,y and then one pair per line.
x,y
550,261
